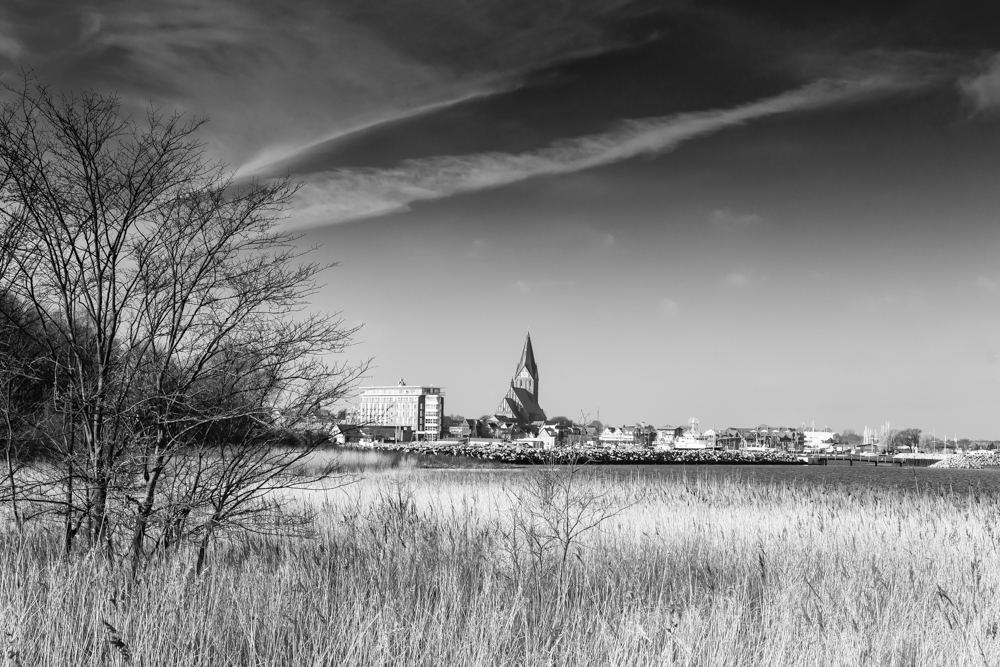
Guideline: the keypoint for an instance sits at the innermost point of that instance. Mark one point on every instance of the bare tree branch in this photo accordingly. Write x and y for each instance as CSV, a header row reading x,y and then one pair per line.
x,y
167,310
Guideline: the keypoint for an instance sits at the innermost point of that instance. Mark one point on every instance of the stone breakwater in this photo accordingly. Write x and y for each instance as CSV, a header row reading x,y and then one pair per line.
x,y
588,455
972,461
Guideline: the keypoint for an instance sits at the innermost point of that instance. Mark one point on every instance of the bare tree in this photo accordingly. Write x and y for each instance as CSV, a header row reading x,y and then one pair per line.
x,y
553,512
22,393
172,311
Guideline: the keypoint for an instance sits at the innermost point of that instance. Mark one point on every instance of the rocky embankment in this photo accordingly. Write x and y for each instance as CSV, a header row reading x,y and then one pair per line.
x,y
972,460
512,453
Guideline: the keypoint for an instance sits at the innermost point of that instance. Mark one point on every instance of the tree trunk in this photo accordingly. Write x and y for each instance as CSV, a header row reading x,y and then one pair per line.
x,y
99,504
144,511
70,532
13,486
203,547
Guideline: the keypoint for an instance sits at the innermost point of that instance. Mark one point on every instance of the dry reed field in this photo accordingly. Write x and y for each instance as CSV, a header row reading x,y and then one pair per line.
x,y
541,567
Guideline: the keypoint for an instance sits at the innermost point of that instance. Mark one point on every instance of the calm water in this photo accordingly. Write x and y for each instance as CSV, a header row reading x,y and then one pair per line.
x,y
934,480
844,476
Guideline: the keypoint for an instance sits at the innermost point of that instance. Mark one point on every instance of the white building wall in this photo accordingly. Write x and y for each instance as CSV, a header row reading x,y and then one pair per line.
x,y
418,408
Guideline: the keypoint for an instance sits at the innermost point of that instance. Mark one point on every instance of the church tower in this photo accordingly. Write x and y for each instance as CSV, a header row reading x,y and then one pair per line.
x,y
521,401
526,375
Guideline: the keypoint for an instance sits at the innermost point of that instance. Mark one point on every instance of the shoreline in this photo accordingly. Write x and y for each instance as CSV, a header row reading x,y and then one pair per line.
x,y
518,455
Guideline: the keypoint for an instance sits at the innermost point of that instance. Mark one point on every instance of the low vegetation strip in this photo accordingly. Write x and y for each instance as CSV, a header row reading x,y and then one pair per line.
x,y
516,454
427,568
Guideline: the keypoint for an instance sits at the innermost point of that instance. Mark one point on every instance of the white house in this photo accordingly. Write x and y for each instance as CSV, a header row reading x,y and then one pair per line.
x,y
818,439
617,436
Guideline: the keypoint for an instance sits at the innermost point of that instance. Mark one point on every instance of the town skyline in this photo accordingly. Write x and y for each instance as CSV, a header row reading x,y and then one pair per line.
x,y
584,418
745,212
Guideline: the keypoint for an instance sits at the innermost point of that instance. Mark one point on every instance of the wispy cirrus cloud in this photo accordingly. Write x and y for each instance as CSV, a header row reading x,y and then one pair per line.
x,y
271,158
262,76
349,194
277,82
982,90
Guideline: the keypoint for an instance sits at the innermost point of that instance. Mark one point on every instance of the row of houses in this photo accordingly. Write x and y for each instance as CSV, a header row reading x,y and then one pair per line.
x,y
691,437
545,433
555,434
551,434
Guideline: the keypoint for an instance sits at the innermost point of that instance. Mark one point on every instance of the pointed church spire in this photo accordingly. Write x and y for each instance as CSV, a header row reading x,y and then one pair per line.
x,y
528,358
521,401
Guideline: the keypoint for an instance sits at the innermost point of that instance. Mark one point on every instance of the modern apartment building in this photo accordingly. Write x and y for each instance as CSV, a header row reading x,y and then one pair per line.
x,y
418,409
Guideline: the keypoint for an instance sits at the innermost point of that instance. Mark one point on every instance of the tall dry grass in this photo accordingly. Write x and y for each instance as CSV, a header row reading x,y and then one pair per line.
x,y
415,567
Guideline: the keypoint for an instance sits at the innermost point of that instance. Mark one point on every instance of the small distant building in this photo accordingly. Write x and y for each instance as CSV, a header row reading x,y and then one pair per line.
x,y
466,428
578,436
505,428
485,442
618,436
346,434
773,437
402,407
666,435
735,437
389,433
818,439
550,437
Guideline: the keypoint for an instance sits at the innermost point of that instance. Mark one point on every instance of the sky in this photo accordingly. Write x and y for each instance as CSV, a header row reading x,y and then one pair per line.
x,y
747,212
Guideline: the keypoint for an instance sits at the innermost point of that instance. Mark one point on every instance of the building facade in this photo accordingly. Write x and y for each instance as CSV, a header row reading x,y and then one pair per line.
x,y
666,435
618,436
818,439
403,407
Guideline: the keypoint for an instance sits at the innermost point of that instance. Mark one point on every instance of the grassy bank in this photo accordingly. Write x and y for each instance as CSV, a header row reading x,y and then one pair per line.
x,y
423,567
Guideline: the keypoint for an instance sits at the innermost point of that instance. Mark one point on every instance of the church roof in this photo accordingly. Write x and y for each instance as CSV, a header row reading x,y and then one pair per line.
x,y
527,401
528,358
